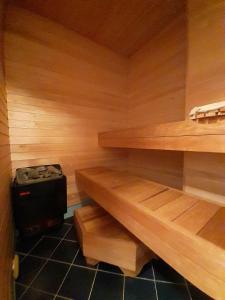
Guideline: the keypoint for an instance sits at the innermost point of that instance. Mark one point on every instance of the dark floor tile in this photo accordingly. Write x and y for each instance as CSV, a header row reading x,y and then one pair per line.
x,y
72,235
80,260
60,232
196,294
107,286
66,251
77,284
139,289
25,246
165,273
19,290
29,267
169,291
147,271
33,294
50,277
69,220
110,268
45,247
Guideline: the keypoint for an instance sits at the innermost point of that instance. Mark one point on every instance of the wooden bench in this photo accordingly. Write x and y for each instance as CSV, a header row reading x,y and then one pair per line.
x,y
102,238
185,231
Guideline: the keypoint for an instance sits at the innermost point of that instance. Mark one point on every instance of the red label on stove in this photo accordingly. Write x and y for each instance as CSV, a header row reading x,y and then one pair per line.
x,y
24,193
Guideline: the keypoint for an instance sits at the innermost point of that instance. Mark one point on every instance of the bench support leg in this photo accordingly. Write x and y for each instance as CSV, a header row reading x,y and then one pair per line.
x,y
91,261
129,273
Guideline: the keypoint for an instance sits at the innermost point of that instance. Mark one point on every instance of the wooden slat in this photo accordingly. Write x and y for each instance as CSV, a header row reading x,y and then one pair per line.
x,y
161,199
214,230
176,207
197,216
139,189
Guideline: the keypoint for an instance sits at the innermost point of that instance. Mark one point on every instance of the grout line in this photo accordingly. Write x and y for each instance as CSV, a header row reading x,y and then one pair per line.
x,y
59,242
50,259
42,291
188,290
66,274
38,242
96,271
124,282
104,271
156,292
48,237
39,290
63,297
67,240
21,258
160,281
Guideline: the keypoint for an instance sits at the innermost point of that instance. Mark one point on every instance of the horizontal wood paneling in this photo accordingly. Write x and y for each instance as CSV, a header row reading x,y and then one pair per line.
x,y
6,234
62,90
156,94
204,173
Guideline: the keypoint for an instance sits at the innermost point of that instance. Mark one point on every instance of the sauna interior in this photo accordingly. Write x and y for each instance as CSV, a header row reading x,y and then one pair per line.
x,y
124,100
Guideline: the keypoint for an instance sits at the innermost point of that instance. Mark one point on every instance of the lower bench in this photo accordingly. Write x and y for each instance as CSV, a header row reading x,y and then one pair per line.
x,y
102,238
185,231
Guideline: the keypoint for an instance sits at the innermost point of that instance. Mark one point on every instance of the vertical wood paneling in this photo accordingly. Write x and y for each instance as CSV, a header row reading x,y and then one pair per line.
x,y
204,173
6,235
62,90
157,95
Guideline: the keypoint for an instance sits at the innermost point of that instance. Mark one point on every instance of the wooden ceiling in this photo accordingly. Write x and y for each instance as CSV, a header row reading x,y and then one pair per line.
x,y
121,25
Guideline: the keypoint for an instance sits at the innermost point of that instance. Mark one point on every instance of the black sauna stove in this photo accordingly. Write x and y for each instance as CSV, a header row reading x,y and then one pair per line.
x,y
39,198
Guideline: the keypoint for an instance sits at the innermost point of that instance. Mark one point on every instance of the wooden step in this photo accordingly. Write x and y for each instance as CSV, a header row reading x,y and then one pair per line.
x,y
102,238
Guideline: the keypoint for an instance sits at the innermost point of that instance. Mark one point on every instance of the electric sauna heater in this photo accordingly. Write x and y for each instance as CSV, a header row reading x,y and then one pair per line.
x,y
39,199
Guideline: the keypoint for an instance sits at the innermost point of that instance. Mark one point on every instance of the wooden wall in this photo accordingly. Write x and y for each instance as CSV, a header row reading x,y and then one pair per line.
x,y
204,173
6,235
157,94
62,89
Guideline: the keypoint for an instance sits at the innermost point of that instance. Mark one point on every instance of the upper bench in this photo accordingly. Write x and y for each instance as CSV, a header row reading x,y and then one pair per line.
x,y
185,231
177,136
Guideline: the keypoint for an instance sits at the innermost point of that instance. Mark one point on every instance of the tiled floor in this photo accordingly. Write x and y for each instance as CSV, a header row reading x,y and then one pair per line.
x,y
53,267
